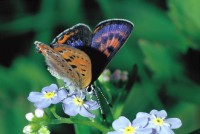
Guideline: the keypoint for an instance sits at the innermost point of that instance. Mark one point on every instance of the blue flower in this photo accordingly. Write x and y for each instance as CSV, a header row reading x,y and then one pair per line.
x,y
158,121
49,95
76,104
123,126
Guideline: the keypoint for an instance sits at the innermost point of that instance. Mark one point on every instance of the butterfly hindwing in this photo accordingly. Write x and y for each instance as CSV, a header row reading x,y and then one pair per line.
x,y
76,36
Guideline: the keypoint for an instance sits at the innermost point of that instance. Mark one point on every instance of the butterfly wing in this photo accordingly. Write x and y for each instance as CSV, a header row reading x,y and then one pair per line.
x,y
79,62
57,65
76,36
108,37
67,63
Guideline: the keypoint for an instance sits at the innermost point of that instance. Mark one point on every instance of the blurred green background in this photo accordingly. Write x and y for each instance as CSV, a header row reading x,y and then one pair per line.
x,y
165,44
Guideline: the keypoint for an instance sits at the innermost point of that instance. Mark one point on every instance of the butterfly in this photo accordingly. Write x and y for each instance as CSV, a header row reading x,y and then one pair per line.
x,y
78,56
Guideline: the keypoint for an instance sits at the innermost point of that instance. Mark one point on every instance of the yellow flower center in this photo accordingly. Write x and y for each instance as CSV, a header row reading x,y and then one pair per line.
x,y
49,95
129,130
78,101
158,121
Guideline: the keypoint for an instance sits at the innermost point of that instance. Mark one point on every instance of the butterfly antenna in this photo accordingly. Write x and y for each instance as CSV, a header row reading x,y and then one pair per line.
x,y
98,101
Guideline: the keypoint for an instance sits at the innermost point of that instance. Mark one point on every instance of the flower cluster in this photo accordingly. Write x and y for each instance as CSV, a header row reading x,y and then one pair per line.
x,y
153,123
118,77
73,104
34,127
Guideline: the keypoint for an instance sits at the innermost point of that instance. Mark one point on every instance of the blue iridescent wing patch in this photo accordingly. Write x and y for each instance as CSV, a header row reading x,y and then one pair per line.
x,y
108,37
76,36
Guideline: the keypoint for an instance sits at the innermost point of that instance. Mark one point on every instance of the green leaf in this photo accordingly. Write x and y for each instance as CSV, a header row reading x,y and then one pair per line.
x,y
195,131
187,92
185,14
160,60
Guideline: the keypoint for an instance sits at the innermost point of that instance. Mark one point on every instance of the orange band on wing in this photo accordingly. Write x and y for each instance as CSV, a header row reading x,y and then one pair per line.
x,y
65,37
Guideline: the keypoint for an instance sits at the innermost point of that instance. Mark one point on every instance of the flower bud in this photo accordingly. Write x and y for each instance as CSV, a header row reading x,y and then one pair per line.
x,y
31,128
39,113
29,116
116,76
105,76
124,76
44,130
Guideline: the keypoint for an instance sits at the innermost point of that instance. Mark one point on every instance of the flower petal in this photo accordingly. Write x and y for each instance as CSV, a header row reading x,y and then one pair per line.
x,y
154,126
142,114
115,132
68,100
56,100
93,105
121,123
50,88
160,114
62,94
71,109
35,97
84,112
166,130
140,122
43,103
144,131
174,122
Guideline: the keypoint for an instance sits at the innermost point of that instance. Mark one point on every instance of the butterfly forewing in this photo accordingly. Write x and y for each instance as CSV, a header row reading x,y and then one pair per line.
x,y
108,37
79,61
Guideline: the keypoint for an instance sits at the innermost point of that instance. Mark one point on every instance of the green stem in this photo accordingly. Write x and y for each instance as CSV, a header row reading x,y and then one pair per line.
x,y
60,120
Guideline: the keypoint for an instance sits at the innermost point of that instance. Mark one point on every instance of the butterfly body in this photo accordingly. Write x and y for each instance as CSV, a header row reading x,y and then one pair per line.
x,y
78,56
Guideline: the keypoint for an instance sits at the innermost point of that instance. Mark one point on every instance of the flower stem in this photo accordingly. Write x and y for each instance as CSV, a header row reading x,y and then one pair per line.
x,y
60,120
